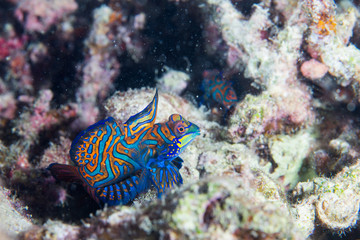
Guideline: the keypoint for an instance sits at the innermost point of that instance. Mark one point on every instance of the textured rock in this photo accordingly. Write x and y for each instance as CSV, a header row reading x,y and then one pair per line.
x,y
12,221
334,202
211,209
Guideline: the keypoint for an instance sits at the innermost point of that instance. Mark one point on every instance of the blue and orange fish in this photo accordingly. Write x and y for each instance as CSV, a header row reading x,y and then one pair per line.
x,y
218,91
115,162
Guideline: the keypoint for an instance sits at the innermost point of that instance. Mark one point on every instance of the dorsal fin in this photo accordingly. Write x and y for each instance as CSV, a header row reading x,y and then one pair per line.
x,y
85,147
144,119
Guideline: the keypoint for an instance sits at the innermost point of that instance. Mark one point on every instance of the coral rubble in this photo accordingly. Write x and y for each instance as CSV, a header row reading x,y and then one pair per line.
x,y
282,164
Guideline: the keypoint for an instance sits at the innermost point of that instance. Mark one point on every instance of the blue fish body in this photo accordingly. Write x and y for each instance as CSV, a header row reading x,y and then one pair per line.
x,y
116,162
217,90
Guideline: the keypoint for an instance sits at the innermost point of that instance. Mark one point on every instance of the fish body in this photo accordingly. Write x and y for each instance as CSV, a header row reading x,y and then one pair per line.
x,y
115,162
218,91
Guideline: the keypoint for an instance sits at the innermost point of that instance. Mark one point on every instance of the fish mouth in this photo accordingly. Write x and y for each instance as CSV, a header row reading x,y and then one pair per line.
x,y
185,140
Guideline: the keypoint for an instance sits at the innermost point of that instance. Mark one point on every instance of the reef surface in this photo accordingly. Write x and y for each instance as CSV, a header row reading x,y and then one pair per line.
x,y
280,163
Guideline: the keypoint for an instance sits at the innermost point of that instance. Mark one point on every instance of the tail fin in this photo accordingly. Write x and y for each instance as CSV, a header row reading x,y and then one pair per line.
x,y
63,172
68,173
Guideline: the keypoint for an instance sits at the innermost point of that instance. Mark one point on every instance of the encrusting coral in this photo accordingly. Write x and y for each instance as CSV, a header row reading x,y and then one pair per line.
x,y
284,164
40,15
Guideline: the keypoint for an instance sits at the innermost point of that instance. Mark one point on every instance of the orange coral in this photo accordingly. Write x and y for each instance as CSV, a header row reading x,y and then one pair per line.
x,y
322,13
326,25
115,17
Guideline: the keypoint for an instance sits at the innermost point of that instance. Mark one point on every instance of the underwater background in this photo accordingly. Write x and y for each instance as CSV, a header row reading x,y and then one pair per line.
x,y
273,85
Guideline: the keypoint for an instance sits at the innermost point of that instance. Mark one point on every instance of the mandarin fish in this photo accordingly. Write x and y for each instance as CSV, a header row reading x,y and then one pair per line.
x,y
116,162
218,91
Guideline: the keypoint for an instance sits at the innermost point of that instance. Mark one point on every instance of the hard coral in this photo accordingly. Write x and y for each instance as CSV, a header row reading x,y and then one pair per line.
x,y
211,208
13,53
322,15
242,167
331,41
42,117
111,34
124,104
7,46
54,230
56,153
338,146
272,64
7,103
336,201
40,15
270,114
20,69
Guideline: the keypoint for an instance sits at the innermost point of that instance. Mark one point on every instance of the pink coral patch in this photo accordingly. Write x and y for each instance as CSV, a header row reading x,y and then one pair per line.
x,y
313,69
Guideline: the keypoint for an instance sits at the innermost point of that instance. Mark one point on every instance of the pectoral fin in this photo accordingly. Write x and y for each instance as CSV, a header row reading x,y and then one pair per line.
x,y
165,175
177,162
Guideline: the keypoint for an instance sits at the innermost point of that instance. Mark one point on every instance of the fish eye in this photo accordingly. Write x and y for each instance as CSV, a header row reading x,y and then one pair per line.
x,y
180,129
